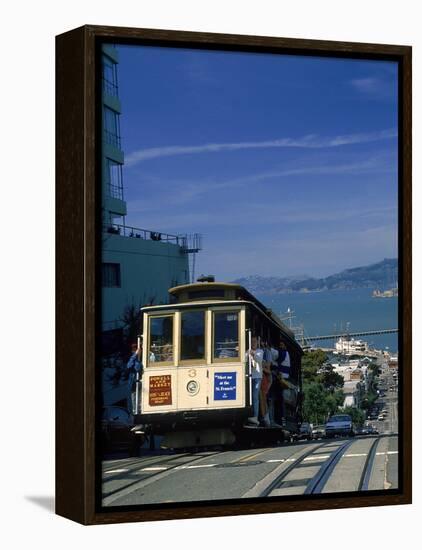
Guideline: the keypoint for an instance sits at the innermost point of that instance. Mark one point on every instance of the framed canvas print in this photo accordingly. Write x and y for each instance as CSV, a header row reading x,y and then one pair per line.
x,y
233,275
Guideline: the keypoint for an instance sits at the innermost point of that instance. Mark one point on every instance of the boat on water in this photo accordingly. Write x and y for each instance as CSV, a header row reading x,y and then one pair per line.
x,y
391,293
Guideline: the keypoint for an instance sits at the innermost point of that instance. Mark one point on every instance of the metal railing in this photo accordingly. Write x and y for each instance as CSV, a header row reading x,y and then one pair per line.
x,y
184,241
192,243
147,234
115,191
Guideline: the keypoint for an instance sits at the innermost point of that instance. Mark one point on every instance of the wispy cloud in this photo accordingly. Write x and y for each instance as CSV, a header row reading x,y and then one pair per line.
x,y
183,191
373,87
267,215
367,85
311,141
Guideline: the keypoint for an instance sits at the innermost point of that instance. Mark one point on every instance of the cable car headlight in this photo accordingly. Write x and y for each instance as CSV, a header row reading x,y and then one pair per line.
x,y
193,387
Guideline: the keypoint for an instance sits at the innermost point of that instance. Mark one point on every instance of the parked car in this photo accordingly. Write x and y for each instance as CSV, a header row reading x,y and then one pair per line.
x,y
305,431
339,424
116,434
318,432
372,430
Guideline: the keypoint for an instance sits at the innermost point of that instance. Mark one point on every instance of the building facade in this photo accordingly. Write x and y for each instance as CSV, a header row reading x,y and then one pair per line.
x,y
349,346
138,265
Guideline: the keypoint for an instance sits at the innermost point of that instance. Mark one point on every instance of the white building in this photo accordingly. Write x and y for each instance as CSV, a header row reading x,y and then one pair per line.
x,y
349,346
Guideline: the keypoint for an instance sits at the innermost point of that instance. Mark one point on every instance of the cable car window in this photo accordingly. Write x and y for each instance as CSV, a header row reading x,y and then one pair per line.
x,y
193,335
226,335
161,339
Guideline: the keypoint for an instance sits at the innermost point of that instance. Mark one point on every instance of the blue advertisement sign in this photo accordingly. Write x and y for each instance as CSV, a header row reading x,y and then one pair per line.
x,y
224,386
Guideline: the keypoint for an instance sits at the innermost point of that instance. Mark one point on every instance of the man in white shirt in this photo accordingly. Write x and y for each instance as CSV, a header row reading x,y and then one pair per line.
x,y
284,360
255,355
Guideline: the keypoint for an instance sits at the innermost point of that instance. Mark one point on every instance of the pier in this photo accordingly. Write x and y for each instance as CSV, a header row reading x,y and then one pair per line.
x,y
350,334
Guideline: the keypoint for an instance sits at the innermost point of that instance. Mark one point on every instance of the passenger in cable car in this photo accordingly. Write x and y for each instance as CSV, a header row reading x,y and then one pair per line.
x,y
135,367
266,383
280,372
274,395
226,352
256,356
284,360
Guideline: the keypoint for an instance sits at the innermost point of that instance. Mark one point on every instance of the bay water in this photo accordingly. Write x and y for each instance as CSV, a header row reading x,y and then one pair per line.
x,y
335,311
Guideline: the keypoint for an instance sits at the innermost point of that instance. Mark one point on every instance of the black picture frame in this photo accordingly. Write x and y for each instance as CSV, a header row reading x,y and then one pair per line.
x,y
78,188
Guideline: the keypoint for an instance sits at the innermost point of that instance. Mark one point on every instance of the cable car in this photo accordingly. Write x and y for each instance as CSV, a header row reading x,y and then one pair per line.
x,y
196,384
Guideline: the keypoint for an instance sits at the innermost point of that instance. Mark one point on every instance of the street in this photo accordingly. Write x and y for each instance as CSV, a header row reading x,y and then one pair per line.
x,y
387,401
322,466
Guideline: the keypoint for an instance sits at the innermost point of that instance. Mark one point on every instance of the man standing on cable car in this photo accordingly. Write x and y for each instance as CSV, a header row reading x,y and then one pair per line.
x,y
134,366
283,368
256,356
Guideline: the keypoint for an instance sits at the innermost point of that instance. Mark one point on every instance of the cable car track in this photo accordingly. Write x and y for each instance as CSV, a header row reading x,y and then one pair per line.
x,y
313,469
367,468
111,496
316,483
136,465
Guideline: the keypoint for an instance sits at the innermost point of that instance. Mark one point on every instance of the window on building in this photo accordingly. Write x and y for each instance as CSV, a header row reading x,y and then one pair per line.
x,y
114,179
161,339
226,335
192,335
111,127
109,77
111,275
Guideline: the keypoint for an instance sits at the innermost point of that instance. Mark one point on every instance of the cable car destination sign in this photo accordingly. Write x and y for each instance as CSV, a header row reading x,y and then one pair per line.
x,y
160,390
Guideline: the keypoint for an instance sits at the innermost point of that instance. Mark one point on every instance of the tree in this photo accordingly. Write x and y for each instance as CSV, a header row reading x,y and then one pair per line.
x,y
334,401
132,322
312,361
315,406
330,379
374,367
368,399
131,319
358,415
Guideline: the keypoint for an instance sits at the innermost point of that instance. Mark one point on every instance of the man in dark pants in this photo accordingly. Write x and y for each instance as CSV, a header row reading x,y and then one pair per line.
x,y
280,371
134,366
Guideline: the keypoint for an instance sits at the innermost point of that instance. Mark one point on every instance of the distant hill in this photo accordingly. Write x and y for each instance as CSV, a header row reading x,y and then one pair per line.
x,y
381,275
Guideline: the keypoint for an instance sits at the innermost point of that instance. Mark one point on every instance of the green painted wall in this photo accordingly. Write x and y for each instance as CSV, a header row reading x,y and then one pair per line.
x,y
147,268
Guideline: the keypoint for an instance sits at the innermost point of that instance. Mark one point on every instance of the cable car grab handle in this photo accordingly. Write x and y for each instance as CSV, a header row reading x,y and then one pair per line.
x,y
250,364
137,381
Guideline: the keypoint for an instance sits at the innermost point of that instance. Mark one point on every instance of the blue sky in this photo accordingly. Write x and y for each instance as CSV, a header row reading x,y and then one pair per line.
x,y
287,165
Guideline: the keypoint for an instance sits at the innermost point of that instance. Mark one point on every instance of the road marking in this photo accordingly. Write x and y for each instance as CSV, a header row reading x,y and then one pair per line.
x,y
116,471
319,457
388,453
154,468
192,467
276,460
249,457
355,454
